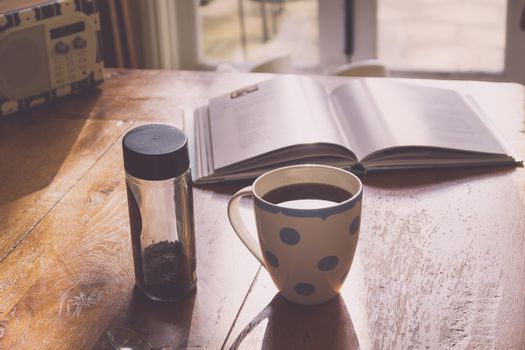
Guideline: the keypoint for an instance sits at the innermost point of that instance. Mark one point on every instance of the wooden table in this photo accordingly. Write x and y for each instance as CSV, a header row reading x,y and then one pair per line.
x,y
440,263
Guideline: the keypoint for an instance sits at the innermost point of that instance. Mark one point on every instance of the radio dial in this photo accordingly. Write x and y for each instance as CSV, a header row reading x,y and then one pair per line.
x,y
61,48
79,42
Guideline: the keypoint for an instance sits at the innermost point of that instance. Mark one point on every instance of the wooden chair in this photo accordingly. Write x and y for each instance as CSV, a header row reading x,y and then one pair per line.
x,y
365,68
280,63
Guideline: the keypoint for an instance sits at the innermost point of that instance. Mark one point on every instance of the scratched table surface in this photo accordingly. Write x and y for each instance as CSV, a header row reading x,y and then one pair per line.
x,y
440,262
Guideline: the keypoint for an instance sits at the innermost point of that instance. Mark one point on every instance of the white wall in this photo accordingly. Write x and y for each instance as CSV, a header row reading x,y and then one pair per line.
x,y
169,33
515,43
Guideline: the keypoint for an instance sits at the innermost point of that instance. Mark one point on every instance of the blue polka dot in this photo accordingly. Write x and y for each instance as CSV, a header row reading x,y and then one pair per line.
x,y
304,289
354,226
271,258
328,263
289,236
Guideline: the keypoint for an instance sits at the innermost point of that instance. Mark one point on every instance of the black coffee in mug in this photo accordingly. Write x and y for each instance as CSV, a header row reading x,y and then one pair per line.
x,y
308,252
307,195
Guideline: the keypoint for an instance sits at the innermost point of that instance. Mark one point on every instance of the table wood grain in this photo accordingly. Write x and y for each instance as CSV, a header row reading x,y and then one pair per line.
x,y
440,262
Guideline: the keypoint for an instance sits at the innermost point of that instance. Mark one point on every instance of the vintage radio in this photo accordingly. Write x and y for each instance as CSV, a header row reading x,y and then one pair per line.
x,y
48,49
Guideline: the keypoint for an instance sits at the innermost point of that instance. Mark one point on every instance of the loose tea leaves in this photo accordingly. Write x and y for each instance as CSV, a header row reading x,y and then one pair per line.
x,y
165,270
162,262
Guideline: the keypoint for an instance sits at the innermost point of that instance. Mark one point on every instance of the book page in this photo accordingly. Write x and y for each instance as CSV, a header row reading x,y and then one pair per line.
x,y
274,114
390,113
359,119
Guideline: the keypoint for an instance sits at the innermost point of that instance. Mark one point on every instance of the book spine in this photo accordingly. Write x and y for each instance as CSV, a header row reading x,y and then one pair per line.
x,y
357,169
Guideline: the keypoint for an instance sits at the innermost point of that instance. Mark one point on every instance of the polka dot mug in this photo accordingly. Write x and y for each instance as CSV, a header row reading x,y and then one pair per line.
x,y
307,251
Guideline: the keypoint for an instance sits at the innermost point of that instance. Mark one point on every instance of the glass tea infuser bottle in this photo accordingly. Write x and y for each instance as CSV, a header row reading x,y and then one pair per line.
x,y
158,182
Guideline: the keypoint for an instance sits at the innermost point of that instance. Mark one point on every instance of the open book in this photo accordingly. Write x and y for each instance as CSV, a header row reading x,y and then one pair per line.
x,y
363,125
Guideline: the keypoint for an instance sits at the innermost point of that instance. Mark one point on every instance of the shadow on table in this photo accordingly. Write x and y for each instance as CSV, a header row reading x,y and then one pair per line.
x,y
35,143
424,177
291,326
228,188
394,178
161,323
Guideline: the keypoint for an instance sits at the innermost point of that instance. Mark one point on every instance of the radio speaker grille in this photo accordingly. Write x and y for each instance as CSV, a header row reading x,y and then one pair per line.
x,y
24,69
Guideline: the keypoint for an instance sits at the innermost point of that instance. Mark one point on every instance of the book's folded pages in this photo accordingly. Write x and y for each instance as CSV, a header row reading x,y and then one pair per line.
x,y
366,124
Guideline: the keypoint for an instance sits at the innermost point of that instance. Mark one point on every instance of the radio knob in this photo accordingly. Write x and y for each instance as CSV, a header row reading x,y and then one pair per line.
x,y
61,48
79,42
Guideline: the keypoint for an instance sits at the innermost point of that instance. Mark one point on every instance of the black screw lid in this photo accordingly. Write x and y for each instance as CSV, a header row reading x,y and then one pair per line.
x,y
155,152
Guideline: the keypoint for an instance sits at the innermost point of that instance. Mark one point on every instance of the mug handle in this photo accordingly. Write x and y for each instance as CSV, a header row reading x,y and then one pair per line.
x,y
238,225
